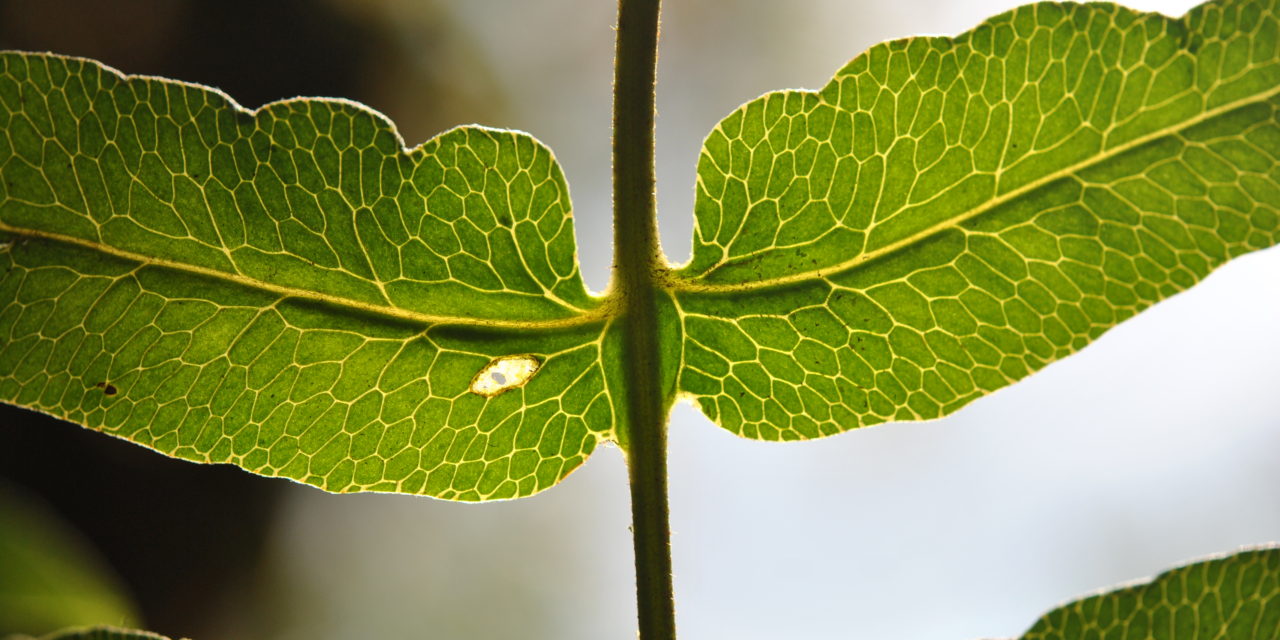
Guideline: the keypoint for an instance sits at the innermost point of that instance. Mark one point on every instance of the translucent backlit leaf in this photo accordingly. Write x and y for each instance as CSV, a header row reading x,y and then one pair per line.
x,y
1236,596
290,289
949,215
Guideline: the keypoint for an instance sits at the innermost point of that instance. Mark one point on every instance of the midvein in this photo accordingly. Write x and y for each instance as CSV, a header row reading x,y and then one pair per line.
x,y
600,312
678,283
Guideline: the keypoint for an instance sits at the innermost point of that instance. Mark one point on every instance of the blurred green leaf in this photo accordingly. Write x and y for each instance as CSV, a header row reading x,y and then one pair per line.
x,y
949,215
49,577
1230,597
104,633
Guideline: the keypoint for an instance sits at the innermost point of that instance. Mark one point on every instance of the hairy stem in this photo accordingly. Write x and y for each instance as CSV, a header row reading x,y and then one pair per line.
x,y
638,262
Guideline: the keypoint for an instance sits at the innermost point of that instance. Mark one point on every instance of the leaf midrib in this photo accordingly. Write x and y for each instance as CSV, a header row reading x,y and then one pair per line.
x,y
678,283
596,314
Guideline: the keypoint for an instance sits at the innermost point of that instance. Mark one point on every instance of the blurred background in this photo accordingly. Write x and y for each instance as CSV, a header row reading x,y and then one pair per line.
x,y
1158,444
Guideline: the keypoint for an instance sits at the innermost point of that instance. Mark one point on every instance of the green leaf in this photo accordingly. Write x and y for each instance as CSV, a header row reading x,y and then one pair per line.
x,y
292,291
949,215
289,289
104,633
49,577
1234,596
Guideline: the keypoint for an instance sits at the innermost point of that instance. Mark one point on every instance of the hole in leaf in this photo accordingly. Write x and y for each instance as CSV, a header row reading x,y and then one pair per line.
x,y
107,389
503,374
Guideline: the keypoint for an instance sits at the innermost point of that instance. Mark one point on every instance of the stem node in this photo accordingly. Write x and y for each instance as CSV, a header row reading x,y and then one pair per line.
x,y
637,268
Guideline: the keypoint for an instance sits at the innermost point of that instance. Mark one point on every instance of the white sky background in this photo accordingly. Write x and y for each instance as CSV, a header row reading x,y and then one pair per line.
x,y
1158,444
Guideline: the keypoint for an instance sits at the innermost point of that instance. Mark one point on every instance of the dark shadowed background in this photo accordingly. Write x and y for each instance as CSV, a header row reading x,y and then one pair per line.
x,y
1156,445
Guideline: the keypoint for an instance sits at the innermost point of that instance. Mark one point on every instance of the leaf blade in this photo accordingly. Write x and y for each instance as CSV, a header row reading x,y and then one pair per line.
x,y
289,289
1232,596
931,227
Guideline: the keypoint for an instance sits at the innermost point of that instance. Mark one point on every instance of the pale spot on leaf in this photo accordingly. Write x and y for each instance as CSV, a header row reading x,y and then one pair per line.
x,y
504,373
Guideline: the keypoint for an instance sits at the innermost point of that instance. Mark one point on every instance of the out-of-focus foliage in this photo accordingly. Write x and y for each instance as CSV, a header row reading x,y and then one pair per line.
x,y
49,577
98,633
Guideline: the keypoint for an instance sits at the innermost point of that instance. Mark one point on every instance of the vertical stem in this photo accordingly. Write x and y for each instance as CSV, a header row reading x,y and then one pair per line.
x,y
638,260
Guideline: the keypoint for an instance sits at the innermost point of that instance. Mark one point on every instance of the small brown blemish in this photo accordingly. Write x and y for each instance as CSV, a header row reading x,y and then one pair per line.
x,y
107,389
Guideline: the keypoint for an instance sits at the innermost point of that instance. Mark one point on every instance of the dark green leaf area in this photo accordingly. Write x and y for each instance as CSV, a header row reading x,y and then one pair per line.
x,y
314,195
212,371
950,215
1228,598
